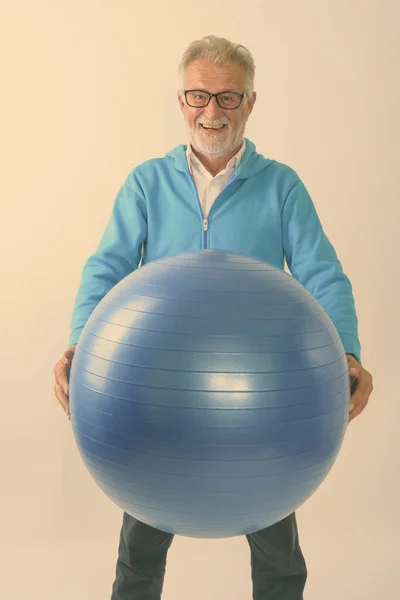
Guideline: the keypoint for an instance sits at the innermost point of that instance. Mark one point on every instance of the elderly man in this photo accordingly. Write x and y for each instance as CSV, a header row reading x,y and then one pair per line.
x,y
216,192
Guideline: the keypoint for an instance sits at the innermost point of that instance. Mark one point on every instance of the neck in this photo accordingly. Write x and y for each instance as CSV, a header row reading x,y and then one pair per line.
x,y
215,165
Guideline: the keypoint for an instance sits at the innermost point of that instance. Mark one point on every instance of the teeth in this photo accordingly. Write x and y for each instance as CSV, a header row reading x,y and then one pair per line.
x,y
214,127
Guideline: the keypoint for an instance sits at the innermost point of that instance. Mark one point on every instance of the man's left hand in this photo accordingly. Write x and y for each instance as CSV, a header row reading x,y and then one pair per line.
x,y
363,388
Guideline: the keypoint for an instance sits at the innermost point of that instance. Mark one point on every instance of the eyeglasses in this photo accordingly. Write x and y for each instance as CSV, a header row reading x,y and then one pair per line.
x,y
227,100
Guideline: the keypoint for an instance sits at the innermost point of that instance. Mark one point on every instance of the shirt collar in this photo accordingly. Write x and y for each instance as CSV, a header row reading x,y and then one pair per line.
x,y
194,161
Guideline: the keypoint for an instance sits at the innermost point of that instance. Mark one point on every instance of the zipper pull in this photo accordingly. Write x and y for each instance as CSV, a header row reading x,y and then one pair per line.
x,y
205,224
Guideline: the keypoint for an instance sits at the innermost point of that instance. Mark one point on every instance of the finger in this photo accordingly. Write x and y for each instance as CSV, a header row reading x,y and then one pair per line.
x,y
66,362
356,411
62,398
70,352
354,371
360,398
352,363
353,384
363,390
61,372
67,357
353,412
357,403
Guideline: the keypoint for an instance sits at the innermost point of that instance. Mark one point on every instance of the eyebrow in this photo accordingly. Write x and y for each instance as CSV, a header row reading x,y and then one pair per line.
x,y
203,90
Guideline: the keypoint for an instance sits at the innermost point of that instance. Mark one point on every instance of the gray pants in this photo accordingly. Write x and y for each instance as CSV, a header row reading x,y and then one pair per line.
x,y
278,569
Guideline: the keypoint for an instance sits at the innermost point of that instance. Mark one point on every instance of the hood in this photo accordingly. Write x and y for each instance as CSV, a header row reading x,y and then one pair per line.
x,y
251,162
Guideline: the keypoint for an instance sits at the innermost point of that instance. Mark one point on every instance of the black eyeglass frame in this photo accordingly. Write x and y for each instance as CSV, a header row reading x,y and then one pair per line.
x,y
245,95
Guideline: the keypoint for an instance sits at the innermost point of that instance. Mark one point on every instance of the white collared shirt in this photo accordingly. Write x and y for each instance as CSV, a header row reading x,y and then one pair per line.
x,y
208,187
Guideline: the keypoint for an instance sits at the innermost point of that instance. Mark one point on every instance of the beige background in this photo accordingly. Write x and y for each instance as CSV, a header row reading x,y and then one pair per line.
x,y
89,92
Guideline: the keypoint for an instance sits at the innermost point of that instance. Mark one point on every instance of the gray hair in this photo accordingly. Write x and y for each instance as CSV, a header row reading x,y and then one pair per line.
x,y
220,52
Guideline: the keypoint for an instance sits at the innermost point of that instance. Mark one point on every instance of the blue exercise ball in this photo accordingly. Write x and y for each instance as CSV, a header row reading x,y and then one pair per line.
x,y
209,394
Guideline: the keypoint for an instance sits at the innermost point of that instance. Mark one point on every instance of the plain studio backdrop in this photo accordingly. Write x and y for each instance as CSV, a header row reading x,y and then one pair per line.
x,y
88,93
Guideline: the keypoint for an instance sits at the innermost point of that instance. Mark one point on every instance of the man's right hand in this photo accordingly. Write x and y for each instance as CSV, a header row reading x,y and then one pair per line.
x,y
61,371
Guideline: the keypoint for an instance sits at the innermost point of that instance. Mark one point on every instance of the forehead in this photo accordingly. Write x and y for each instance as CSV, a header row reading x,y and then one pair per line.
x,y
205,75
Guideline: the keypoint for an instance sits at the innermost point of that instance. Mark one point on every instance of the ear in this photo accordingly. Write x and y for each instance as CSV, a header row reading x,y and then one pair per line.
x,y
251,103
180,100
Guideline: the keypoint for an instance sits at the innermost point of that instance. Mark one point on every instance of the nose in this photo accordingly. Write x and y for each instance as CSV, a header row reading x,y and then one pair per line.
x,y
213,110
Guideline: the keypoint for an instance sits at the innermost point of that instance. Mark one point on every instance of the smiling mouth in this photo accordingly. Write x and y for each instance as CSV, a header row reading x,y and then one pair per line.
x,y
213,128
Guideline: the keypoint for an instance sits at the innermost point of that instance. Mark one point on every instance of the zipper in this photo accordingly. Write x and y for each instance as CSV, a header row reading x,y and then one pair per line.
x,y
205,229
205,220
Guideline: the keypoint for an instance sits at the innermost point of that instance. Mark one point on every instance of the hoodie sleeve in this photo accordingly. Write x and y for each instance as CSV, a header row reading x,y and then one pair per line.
x,y
117,255
312,260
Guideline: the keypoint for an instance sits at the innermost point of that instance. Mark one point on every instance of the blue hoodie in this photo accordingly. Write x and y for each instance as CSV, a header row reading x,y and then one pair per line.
x,y
263,211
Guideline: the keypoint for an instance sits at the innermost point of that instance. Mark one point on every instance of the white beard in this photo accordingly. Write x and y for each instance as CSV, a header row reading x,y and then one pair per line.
x,y
215,145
